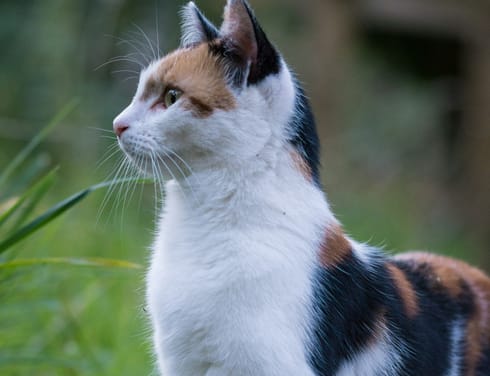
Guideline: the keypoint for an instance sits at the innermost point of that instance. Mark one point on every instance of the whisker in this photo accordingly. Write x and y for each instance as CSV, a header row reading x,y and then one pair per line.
x,y
116,203
136,44
130,78
112,177
116,59
125,71
183,175
108,154
156,27
140,199
155,194
122,174
157,164
102,129
106,136
137,168
133,43
186,165
147,39
158,184
159,175
161,184
128,194
171,173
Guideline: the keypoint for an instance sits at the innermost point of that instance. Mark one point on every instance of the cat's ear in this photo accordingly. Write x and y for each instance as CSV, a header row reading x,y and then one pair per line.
x,y
250,47
196,28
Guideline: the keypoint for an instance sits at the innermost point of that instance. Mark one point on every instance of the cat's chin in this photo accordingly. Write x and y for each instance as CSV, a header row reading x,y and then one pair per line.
x,y
161,167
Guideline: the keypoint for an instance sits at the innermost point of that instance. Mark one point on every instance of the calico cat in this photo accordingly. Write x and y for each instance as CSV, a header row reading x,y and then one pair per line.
x,y
251,274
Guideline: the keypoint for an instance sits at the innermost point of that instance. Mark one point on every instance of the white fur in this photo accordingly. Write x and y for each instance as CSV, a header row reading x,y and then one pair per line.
x,y
192,31
378,359
229,285
229,280
455,356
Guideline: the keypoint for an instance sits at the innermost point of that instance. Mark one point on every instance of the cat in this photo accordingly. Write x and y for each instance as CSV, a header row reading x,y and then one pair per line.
x,y
251,274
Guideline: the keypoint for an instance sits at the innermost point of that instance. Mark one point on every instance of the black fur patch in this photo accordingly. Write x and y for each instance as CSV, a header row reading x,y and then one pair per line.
x,y
304,135
268,60
232,60
484,363
428,335
210,31
349,301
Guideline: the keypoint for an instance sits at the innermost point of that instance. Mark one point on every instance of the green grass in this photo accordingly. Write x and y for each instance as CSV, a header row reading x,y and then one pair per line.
x,y
71,289
72,319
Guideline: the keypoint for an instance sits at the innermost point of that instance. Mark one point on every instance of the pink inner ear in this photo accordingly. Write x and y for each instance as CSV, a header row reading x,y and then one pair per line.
x,y
238,27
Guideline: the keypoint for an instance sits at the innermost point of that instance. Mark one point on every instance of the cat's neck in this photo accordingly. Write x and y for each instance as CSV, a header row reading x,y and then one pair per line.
x,y
247,213
262,182
256,205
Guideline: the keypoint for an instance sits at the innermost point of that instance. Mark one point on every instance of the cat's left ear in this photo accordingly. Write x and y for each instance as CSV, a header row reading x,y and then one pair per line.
x,y
247,43
196,28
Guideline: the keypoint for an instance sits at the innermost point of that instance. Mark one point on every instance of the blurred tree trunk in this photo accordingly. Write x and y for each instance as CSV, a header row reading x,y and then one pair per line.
x,y
327,56
468,22
475,185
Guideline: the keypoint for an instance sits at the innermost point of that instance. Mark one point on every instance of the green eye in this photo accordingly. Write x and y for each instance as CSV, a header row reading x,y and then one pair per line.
x,y
171,96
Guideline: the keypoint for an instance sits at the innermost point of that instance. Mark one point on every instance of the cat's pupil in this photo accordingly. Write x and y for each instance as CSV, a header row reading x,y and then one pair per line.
x,y
173,97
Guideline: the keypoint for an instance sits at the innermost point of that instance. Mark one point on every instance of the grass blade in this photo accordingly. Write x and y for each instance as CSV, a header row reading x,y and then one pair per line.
x,y
69,261
57,210
27,150
42,220
32,194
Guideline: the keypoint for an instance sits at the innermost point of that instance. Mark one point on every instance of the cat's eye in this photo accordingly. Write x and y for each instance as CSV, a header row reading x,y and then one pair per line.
x,y
171,96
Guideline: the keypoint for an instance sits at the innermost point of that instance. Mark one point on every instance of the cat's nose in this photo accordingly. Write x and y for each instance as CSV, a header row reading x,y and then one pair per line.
x,y
119,128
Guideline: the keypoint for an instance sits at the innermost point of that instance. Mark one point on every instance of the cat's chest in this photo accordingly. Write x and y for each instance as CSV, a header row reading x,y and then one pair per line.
x,y
206,287
199,274
202,310
192,267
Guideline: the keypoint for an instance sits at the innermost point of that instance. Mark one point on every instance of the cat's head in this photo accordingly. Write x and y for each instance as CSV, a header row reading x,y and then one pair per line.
x,y
224,97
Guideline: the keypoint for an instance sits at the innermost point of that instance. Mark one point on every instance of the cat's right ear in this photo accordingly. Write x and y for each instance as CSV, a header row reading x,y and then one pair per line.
x,y
196,28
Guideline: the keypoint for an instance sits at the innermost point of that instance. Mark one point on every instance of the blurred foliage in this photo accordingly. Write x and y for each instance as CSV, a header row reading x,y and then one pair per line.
x,y
383,168
15,228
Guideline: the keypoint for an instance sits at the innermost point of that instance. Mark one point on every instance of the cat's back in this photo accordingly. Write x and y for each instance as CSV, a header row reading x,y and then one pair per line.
x,y
449,302
409,315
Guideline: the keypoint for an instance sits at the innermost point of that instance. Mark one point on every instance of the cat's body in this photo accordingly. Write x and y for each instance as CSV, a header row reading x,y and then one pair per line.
x,y
230,276
251,274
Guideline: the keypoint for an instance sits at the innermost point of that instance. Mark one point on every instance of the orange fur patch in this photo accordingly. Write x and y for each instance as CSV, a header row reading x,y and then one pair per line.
x,y
301,165
452,274
198,74
405,289
444,274
478,329
335,248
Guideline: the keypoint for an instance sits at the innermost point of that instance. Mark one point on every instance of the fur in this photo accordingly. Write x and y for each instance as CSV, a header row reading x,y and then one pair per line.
x,y
251,274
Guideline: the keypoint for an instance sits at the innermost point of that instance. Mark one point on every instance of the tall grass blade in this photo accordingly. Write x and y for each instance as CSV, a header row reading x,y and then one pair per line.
x,y
69,261
57,210
27,150
33,194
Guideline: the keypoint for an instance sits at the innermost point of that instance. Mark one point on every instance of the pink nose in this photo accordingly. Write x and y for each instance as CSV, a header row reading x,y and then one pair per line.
x,y
119,128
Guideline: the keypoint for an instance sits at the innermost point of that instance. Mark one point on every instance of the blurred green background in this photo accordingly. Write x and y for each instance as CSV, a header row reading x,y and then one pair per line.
x,y
401,89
